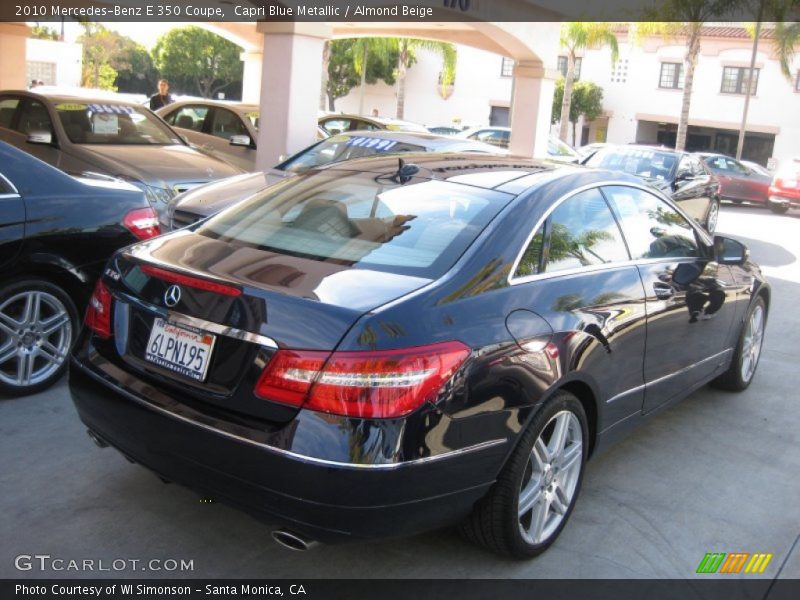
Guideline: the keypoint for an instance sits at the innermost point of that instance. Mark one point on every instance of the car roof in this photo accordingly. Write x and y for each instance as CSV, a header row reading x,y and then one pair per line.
x,y
380,120
476,170
54,98
248,106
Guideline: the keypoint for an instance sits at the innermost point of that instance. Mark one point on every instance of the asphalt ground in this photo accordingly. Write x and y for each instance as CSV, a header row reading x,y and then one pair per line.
x,y
716,473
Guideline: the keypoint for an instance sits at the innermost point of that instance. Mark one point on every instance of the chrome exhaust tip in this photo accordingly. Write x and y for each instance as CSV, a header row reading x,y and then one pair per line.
x,y
293,541
98,441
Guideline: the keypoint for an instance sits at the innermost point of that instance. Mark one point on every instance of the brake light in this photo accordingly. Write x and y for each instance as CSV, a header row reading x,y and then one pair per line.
x,y
142,223
380,385
191,281
98,313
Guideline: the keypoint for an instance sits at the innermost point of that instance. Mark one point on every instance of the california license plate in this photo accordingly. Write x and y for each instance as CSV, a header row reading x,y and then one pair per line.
x,y
181,350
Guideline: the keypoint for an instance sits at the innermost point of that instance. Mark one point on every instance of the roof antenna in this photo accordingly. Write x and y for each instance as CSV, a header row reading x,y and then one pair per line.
x,y
405,172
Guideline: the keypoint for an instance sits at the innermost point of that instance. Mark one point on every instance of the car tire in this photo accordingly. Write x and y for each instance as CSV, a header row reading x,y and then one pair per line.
x,y
547,480
38,326
712,217
778,209
748,350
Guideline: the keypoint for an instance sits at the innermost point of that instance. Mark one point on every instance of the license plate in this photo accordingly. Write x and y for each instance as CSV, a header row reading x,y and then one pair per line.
x,y
181,350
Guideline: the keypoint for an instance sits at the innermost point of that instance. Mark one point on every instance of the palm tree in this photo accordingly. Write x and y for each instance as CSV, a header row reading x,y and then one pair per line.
x,y
684,18
362,49
577,36
407,51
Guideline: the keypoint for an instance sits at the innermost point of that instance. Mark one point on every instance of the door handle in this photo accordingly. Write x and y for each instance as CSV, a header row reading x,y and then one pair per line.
x,y
663,291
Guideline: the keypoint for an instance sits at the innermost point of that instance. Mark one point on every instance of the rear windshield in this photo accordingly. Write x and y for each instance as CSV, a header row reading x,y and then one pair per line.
x,y
362,220
345,147
642,162
112,123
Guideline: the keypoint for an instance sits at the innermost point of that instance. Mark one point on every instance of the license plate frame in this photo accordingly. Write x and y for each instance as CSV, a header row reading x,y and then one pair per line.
x,y
178,349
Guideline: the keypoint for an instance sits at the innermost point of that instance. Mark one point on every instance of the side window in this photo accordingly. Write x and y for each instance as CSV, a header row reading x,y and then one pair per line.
x,y
34,118
652,228
5,187
226,124
189,117
684,166
7,108
582,232
336,126
697,167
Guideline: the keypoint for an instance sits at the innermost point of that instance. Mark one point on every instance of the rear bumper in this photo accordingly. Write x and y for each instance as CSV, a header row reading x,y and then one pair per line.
x,y
787,201
327,500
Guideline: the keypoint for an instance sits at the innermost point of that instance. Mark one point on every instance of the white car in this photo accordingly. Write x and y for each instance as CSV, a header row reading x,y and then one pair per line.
x,y
501,137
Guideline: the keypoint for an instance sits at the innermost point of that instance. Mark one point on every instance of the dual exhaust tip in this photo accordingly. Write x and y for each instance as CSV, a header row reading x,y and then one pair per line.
x,y
283,537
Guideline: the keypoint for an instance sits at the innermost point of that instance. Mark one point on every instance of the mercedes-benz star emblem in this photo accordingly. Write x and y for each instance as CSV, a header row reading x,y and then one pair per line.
x,y
172,296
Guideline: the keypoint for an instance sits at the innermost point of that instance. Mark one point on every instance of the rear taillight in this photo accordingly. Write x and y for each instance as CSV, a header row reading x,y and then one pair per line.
x,y
98,313
380,385
143,223
191,281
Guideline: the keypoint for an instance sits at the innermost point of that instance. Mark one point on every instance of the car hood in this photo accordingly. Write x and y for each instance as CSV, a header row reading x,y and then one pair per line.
x,y
158,166
213,197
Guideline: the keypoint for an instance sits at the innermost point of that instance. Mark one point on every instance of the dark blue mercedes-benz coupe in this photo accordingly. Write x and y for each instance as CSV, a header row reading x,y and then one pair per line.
x,y
384,346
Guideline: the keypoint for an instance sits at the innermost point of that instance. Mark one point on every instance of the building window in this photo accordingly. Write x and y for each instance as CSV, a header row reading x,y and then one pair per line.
x,y
671,76
507,68
562,66
734,80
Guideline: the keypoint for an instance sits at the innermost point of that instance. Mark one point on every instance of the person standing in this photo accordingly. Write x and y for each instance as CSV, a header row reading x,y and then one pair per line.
x,y
163,97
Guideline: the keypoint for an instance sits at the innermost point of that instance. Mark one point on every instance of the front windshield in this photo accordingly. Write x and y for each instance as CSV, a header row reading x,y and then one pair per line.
x,y
345,147
642,162
113,123
556,147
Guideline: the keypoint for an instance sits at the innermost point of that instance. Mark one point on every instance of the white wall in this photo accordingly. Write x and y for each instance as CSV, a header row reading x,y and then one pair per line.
x,y
478,85
67,57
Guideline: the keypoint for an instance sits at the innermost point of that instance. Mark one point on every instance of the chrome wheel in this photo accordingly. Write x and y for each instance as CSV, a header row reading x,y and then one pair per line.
x,y
751,344
35,337
713,217
550,478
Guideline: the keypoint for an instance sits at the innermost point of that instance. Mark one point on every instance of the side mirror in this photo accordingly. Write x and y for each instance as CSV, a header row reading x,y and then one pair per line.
x,y
40,137
241,140
729,251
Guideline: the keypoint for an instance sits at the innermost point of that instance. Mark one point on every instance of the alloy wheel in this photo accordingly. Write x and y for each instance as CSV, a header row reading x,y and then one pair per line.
x,y
713,217
550,478
35,337
751,345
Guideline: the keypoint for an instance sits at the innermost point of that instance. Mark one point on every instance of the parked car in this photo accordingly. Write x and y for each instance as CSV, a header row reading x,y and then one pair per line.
x,y
56,233
737,181
206,200
125,140
681,175
784,193
444,130
501,137
342,123
226,130
376,349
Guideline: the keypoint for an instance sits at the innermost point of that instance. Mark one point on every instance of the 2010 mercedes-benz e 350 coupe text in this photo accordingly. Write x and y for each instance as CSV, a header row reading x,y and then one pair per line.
x,y
377,348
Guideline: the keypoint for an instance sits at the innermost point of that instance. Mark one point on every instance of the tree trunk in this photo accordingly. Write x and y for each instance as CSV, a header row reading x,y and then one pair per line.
x,y
323,88
363,82
566,103
690,63
574,126
401,84
331,102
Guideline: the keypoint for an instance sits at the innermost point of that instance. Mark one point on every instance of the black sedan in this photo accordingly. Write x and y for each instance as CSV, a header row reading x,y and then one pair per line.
x,y
681,175
381,347
56,233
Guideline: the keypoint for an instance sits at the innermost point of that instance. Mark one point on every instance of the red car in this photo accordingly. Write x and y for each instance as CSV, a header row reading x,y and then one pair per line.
x,y
738,182
785,189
